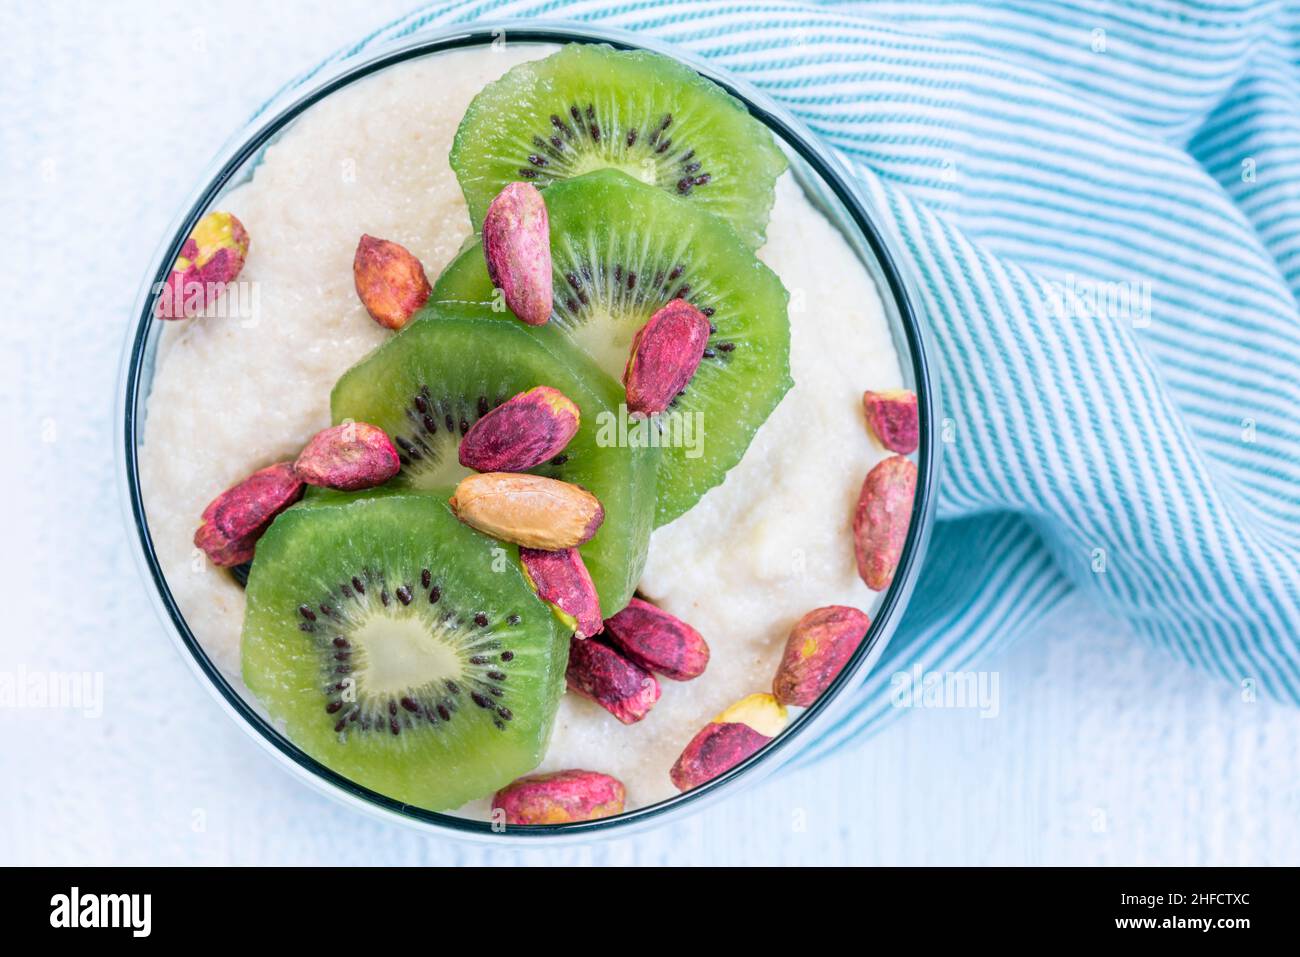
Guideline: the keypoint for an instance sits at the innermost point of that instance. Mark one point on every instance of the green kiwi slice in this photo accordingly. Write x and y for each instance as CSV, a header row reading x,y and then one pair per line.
x,y
590,107
383,634
620,250
432,381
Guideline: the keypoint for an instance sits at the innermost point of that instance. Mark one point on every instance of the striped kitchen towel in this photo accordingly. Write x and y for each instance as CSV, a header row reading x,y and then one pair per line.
x,y
1103,205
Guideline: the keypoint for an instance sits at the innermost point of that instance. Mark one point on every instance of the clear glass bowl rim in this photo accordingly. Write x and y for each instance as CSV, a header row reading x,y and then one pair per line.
x,y
244,146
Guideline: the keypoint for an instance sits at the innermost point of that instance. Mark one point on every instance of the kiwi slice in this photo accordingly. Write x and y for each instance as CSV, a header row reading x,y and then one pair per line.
x,y
396,650
621,250
432,381
590,107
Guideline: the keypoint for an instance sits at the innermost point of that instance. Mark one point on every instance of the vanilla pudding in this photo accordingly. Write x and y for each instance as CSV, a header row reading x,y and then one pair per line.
x,y
233,393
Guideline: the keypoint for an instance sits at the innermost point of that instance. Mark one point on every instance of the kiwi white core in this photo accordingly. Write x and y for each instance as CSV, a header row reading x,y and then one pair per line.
x,y
446,472
398,653
606,341
646,170
768,545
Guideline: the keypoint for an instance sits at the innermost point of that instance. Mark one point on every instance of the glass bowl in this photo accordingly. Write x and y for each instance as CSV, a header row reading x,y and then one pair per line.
x,y
829,187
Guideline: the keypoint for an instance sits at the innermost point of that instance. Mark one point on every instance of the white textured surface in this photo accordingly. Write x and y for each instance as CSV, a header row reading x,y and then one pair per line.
x,y
1103,752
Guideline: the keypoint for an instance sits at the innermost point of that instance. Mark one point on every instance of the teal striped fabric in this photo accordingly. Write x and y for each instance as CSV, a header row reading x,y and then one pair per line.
x,y
1103,205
